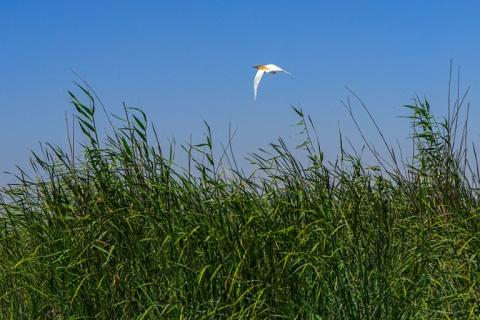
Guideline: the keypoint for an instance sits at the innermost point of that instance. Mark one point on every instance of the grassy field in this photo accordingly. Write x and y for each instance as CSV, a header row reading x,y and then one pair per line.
x,y
115,229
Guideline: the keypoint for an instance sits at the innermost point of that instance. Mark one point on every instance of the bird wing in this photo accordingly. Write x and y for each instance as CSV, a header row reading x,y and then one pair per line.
x,y
256,82
274,68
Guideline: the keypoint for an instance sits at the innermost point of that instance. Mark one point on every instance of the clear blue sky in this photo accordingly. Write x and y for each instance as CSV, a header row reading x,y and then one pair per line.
x,y
188,61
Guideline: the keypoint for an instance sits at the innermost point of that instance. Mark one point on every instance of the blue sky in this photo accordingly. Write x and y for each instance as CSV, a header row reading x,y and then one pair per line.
x,y
188,61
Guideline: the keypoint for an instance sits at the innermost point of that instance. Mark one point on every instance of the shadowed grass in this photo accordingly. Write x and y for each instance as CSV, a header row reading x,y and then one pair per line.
x,y
120,232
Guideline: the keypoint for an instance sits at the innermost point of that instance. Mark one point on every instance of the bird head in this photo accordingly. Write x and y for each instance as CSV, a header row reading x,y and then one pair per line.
x,y
261,67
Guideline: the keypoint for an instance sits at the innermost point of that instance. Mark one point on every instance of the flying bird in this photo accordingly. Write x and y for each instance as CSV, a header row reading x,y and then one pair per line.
x,y
261,69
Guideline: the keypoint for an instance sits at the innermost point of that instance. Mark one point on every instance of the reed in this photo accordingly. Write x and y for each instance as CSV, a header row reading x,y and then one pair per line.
x,y
117,230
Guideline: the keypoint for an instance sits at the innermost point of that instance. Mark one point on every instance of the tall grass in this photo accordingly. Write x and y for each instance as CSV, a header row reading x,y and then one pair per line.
x,y
116,230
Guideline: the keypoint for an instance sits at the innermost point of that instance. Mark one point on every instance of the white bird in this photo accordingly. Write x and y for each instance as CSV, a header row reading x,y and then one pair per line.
x,y
261,69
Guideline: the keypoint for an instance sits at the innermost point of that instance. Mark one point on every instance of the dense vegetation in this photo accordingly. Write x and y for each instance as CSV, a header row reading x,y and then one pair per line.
x,y
117,230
